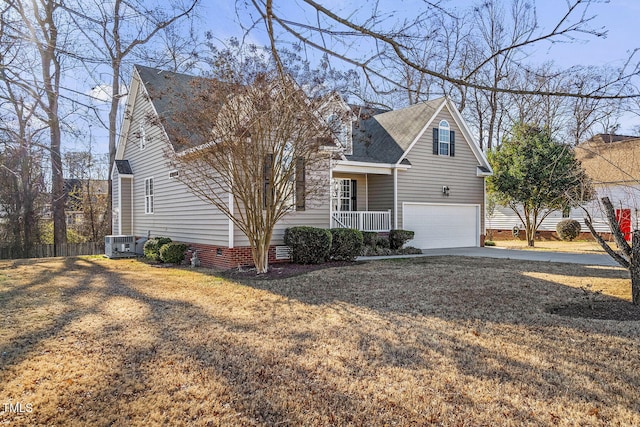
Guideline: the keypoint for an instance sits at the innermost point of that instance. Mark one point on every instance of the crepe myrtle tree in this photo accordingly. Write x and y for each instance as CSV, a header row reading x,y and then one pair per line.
x,y
535,175
257,151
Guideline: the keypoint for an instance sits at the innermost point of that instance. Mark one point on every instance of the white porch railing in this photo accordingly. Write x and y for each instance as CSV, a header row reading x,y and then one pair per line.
x,y
362,220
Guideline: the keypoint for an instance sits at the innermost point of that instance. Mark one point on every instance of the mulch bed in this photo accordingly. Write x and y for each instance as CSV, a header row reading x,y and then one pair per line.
x,y
602,310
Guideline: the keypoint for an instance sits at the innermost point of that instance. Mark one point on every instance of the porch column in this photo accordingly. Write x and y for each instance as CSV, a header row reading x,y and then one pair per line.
x,y
395,198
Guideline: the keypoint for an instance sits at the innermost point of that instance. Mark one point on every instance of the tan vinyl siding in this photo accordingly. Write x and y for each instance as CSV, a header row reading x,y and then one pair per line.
x,y
380,193
423,182
316,214
115,202
125,201
178,213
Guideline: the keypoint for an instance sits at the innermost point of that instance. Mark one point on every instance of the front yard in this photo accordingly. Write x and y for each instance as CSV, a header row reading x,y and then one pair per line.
x,y
437,340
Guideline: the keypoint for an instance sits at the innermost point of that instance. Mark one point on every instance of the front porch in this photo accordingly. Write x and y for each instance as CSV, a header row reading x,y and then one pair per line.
x,y
362,201
362,220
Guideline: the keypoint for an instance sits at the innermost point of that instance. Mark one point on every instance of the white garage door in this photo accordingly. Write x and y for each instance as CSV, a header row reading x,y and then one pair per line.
x,y
442,226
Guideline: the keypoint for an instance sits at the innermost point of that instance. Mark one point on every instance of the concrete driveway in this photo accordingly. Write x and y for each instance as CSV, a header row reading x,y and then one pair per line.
x,y
492,252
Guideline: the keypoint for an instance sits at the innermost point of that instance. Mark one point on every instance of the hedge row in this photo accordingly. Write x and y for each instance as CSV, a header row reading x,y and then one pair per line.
x,y
311,245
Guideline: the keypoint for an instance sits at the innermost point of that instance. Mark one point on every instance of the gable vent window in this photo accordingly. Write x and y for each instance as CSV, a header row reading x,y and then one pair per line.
x,y
143,137
173,174
444,140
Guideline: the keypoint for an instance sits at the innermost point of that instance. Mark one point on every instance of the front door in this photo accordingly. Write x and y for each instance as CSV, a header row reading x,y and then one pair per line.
x,y
623,216
344,195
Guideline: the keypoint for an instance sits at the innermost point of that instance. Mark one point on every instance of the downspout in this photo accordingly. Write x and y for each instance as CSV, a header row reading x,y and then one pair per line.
x,y
395,197
131,210
231,239
119,214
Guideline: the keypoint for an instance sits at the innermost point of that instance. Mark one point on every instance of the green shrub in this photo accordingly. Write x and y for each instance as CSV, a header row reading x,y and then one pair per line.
x,y
397,238
173,252
382,242
409,250
346,244
568,229
489,243
369,238
152,247
309,245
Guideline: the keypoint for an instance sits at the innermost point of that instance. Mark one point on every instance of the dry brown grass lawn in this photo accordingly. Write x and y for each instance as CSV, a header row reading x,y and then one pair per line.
x,y
582,246
428,341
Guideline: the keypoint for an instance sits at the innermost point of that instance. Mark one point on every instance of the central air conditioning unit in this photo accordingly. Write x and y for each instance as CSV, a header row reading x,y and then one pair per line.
x,y
119,246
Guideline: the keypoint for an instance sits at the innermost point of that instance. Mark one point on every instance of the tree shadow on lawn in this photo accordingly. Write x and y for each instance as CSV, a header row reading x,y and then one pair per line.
x,y
322,355
505,299
172,378
465,287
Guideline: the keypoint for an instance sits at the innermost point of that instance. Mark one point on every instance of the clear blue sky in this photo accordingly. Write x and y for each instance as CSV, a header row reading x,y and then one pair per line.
x,y
621,19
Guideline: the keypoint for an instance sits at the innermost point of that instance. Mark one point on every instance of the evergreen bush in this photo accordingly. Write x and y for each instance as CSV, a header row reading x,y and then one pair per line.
x,y
397,238
173,252
309,245
568,229
346,244
152,247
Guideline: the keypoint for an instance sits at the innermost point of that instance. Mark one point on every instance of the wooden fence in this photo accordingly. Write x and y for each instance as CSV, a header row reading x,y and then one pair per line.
x,y
63,250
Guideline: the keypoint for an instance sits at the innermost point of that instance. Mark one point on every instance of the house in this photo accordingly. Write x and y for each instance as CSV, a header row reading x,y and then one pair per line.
x,y
613,164
84,197
417,168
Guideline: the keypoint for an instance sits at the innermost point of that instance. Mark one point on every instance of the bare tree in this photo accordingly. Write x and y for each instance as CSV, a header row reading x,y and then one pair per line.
x,y
254,151
39,21
118,29
628,256
343,33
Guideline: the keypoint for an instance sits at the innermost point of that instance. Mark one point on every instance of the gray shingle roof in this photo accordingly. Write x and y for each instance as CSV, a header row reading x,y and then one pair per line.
x,y
169,92
378,136
124,168
383,136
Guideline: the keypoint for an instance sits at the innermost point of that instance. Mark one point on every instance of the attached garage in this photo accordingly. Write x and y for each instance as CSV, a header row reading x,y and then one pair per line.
x,y
442,225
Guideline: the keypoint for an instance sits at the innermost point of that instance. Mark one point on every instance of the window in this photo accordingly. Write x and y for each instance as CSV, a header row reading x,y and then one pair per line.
x,y
443,140
343,195
148,196
566,212
173,174
339,129
143,137
292,192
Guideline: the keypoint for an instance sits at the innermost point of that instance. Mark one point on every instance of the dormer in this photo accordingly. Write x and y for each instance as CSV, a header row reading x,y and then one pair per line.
x,y
339,119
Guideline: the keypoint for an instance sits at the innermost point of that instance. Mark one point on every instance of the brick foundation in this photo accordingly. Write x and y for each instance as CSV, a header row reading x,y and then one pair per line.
x,y
212,256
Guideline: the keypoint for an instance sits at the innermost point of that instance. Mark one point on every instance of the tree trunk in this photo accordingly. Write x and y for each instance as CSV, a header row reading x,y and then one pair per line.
x,y
530,229
634,269
260,254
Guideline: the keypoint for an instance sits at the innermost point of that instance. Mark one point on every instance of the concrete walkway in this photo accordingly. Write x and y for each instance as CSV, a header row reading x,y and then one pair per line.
x,y
530,255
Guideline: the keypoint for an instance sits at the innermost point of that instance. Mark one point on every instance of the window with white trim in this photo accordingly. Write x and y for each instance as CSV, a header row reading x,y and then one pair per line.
x,y
342,197
148,196
444,138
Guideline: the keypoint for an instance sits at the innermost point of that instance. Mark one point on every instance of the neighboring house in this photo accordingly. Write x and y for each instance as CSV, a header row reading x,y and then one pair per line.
x,y
78,202
613,164
417,168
